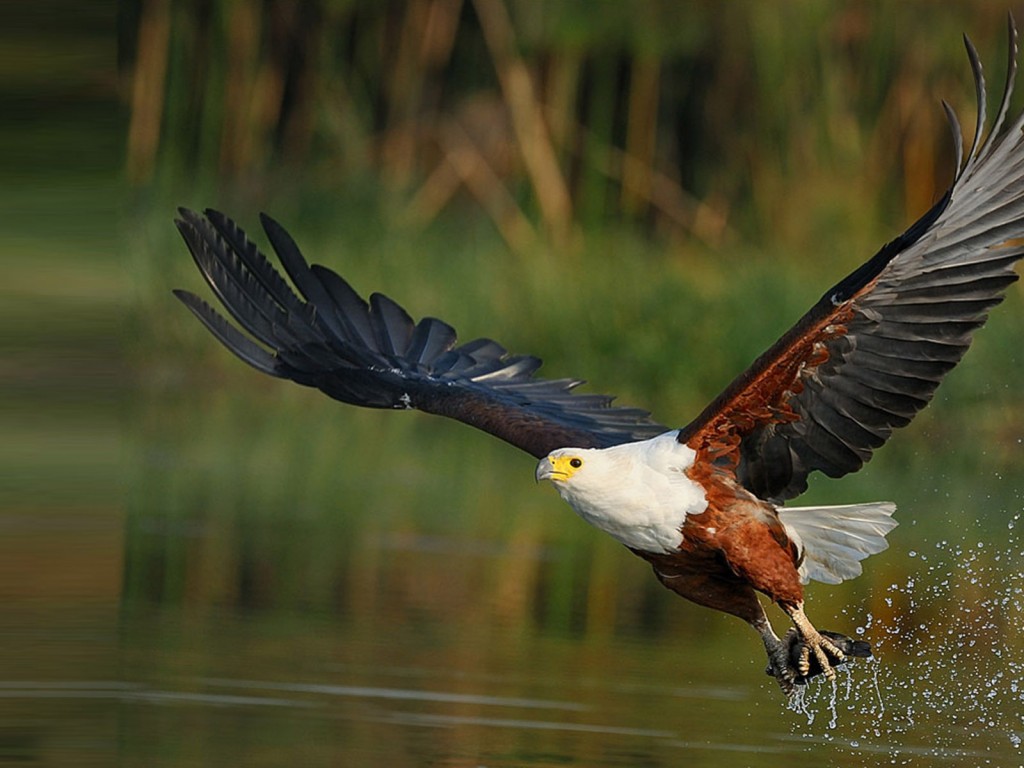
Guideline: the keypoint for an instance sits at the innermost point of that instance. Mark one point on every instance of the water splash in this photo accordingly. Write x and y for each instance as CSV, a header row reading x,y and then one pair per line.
x,y
950,676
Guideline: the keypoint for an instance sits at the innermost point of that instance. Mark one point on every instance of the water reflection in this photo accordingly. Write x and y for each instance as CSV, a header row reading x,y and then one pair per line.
x,y
288,598
202,683
317,593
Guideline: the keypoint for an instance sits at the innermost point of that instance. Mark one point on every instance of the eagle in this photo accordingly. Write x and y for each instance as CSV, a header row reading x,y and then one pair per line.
x,y
705,504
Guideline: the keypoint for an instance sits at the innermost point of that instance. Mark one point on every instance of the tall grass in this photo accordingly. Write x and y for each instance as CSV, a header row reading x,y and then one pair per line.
x,y
702,120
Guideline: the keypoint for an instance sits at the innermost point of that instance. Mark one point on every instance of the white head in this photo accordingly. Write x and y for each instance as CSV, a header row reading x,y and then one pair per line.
x,y
638,492
569,468
559,466
580,474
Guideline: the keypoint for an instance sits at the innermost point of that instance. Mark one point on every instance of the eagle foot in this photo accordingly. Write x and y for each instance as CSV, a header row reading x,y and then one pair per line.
x,y
815,652
798,658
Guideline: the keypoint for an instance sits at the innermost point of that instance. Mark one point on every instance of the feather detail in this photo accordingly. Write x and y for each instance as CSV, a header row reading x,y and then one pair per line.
x,y
833,540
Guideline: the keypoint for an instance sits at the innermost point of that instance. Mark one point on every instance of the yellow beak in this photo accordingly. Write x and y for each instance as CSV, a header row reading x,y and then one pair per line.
x,y
546,470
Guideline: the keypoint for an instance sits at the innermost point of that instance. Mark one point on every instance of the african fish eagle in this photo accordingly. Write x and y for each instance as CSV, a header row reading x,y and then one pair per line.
x,y
704,504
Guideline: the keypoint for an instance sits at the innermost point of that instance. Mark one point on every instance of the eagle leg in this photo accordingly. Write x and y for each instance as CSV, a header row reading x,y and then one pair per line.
x,y
779,665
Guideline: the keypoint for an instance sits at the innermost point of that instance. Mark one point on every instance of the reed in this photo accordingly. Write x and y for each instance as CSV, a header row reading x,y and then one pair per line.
x,y
707,120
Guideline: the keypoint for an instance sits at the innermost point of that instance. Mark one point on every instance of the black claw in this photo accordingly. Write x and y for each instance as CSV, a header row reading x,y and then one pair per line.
x,y
800,651
860,649
802,665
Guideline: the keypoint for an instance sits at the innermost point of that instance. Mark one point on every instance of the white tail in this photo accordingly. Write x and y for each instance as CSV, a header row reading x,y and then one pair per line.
x,y
833,540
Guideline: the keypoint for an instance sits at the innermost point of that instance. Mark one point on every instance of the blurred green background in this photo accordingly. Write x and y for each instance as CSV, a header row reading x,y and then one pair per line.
x,y
644,194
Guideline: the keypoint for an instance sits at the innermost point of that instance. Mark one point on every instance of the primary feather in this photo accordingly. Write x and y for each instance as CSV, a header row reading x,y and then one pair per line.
x,y
870,354
374,355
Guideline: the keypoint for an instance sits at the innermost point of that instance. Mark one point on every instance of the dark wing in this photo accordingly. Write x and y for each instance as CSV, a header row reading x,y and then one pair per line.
x,y
374,355
870,353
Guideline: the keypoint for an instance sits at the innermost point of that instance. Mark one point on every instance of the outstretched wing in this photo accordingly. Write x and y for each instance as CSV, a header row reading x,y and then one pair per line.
x,y
374,355
870,353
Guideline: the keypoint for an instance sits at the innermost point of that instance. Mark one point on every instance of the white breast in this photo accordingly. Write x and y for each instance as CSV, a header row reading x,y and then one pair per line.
x,y
637,492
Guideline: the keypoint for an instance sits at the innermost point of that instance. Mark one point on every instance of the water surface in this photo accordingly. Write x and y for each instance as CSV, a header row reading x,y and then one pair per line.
x,y
306,588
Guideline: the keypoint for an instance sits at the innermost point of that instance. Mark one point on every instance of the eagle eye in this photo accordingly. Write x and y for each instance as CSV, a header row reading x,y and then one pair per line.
x,y
575,463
